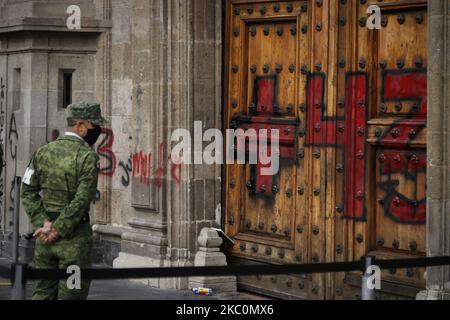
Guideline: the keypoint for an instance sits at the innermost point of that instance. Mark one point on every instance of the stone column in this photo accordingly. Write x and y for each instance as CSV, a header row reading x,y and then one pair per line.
x,y
438,174
195,49
176,75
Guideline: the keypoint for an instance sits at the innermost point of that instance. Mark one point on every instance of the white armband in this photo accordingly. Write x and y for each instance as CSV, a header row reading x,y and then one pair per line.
x,y
27,176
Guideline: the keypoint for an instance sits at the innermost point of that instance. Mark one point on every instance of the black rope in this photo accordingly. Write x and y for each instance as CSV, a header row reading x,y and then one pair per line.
x,y
412,263
138,273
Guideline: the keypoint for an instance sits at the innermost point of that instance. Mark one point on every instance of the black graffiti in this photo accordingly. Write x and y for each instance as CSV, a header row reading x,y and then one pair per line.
x,y
104,151
127,170
11,195
2,128
13,133
400,135
13,137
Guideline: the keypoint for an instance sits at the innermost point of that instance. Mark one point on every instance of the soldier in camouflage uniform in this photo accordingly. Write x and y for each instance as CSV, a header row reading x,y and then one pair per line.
x,y
66,172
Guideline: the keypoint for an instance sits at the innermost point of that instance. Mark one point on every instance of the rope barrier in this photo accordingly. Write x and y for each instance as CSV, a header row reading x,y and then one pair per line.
x,y
413,263
169,272
21,273
137,273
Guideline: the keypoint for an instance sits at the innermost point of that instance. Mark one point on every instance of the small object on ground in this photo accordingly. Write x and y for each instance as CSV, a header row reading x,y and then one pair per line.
x,y
203,291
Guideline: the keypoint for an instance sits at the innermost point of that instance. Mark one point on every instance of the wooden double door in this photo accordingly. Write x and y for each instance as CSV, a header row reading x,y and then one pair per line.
x,y
350,104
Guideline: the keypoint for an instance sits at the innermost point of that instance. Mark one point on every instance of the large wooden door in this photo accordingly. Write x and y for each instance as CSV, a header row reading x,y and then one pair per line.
x,y
350,105
394,59
267,215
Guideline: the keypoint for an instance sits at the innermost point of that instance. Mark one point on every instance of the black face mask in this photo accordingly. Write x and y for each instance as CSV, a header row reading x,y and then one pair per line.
x,y
93,135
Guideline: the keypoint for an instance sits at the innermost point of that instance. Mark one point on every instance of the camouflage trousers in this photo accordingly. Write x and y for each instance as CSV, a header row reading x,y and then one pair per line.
x,y
75,250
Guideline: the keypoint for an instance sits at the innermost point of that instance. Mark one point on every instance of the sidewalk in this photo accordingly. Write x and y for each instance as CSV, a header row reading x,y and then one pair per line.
x,y
131,290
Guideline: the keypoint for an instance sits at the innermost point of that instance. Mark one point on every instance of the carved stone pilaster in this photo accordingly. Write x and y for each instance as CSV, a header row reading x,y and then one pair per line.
x,y
438,171
176,74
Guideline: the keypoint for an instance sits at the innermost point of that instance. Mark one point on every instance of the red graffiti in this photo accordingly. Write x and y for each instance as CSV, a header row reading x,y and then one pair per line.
x,y
406,85
354,139
265,95
321,130
407,163
400,207
265,115
142,166
159,173
401,86
348,133
175,168
140,163
404,210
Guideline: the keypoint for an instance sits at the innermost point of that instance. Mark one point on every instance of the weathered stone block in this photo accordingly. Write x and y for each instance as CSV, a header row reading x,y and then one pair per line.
x,y
209,255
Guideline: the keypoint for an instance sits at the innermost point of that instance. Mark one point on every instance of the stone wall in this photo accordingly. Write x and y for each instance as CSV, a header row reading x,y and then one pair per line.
x,y
438,174
166,74
158,69
35,48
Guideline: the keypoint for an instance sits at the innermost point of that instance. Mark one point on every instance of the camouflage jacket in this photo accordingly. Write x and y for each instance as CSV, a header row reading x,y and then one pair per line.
x,y
66,172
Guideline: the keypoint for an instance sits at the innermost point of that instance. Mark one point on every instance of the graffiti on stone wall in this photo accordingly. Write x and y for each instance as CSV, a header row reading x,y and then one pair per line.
x,y
142,170
104,150
13,139
2,142
175,168
127,169
139,165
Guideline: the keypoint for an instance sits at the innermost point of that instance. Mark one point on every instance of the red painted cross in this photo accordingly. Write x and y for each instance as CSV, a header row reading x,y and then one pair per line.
x,y
350,134
267,118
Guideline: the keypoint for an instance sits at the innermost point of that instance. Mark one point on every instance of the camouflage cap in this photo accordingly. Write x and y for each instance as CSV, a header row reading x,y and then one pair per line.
x,y
88,111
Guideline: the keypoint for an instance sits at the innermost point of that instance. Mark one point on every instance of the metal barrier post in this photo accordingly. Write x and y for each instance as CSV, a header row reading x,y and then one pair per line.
x,y
19,283
366,292
16,220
